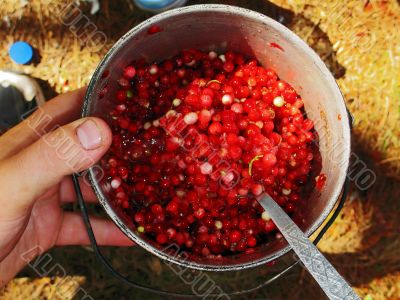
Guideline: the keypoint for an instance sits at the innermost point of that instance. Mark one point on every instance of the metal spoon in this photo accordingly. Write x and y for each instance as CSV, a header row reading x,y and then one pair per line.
x,y
331,282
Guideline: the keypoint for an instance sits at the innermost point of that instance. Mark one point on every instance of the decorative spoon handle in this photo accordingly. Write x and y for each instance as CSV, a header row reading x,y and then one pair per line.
x,y
331,282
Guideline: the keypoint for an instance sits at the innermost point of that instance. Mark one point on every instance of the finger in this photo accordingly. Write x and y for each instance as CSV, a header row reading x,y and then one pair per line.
x,y
68,195
32,171
73,232
59,111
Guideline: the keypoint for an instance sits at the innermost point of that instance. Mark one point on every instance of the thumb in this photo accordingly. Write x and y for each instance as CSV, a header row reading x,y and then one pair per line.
x,y
68,149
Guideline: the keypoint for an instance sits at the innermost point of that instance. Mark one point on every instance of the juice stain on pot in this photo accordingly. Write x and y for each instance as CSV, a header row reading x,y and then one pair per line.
x,y
154,29
275,45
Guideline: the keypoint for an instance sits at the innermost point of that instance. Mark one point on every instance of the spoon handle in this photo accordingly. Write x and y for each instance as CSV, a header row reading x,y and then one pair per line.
x,y
331,282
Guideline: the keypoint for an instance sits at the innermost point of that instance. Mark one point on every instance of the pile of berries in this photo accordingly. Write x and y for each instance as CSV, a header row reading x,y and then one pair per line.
x,y
196,138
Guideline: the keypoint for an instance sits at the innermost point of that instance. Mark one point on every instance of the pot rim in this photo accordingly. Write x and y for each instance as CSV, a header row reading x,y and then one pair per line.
x,y
293,38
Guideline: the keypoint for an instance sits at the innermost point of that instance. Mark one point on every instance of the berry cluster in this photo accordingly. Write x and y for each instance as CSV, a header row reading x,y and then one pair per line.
x,y
196,138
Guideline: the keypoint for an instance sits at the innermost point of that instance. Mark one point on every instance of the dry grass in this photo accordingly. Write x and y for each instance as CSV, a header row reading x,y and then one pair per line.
x,y
44,288
364,241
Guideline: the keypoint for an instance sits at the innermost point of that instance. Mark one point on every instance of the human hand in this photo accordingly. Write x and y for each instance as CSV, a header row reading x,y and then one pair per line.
x,y
35,162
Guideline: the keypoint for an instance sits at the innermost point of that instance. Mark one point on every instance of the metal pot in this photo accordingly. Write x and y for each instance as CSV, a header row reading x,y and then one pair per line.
x,y
221,27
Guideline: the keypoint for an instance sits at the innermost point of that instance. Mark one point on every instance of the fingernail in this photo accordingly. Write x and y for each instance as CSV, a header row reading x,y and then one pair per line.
x,y
89,135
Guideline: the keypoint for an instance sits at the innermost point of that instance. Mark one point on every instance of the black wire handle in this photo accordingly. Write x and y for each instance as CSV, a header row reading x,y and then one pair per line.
x,y
136,285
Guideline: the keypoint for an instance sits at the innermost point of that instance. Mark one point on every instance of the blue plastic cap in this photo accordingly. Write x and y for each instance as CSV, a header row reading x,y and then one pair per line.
x,y
21,52
154,4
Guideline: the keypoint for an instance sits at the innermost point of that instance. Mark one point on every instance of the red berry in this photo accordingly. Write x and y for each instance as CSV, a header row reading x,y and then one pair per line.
x,y
129,72
161,238
206,100
235,152
269,160
200,213
139,217
228,67
156,209
204,117
121,95
251,241
235,236
215,128
237,108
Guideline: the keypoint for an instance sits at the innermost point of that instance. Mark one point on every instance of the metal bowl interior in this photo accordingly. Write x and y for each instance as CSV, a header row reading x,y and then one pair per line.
x,y
221,27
